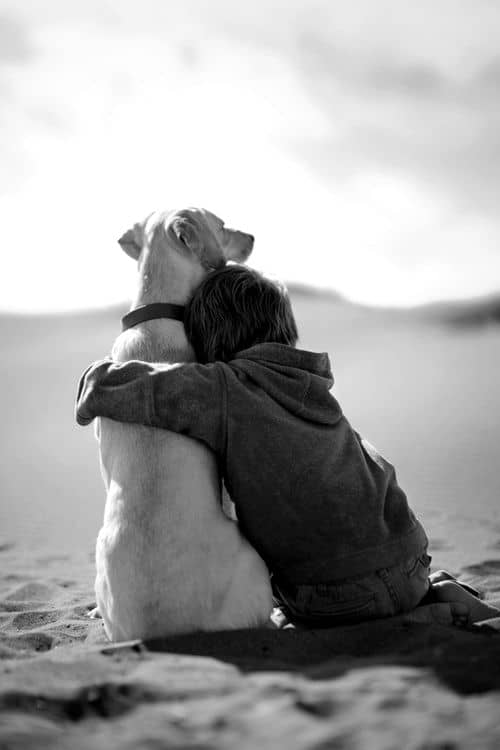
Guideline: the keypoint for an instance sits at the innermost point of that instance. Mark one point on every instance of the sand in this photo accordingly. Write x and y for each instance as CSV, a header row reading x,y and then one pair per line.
x,y
386,684
426,393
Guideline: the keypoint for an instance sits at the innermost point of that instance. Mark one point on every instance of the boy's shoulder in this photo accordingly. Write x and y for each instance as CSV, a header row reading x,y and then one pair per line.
x,y
282,354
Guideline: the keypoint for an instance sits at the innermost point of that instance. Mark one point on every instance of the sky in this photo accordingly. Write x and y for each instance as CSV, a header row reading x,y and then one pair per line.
x,y
358,141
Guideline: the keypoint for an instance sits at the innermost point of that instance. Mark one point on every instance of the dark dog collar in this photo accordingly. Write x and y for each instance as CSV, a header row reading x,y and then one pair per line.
x,y
151,312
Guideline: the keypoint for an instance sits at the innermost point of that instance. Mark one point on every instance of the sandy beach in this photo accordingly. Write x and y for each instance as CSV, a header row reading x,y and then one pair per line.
x,y
426,392
359,144
387,684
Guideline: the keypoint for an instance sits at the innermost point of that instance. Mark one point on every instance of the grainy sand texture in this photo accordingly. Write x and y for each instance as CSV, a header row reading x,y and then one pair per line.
x,y
386,684
424,387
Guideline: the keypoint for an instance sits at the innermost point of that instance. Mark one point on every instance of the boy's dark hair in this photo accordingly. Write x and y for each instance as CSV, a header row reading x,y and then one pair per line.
x,y
234,308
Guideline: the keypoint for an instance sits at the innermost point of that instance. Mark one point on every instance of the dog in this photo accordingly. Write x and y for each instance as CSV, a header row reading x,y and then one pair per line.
x,y
169,561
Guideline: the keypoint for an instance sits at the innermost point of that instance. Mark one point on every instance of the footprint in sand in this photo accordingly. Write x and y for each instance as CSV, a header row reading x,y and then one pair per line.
x,y
33,591
28,641
83,610
36,619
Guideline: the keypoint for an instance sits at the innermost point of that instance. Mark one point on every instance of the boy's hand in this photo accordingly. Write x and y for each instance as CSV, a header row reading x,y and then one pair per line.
x,y
85,408
117,390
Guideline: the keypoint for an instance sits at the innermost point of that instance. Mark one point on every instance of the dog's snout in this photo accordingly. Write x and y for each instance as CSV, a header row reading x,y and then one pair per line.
x,y
247,245
240,245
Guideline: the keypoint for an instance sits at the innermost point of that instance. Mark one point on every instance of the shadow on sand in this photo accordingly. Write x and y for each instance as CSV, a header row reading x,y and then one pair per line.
x,y
466,661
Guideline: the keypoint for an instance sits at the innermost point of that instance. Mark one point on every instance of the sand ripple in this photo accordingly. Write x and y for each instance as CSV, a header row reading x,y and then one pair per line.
x,y
389,684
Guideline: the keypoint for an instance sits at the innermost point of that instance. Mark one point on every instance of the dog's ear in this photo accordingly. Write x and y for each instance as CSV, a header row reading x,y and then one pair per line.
x,y
129,245
198,238
185,231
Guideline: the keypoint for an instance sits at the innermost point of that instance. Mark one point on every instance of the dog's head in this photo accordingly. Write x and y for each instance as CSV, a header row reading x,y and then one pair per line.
x,y
192,231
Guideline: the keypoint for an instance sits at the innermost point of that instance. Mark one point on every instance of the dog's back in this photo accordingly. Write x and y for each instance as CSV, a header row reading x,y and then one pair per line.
x,y
168,560
154,564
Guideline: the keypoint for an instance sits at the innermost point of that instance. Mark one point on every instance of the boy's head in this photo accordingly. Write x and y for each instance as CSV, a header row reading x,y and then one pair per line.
x,y
234,308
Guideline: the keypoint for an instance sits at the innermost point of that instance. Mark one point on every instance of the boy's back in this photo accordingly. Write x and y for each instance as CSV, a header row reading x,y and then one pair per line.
x,y
316,501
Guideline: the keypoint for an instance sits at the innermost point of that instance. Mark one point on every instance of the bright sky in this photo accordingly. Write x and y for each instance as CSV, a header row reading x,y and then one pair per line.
x,y
358,141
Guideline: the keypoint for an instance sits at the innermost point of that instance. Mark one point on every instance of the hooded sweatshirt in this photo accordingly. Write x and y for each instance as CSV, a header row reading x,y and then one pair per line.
x,y
316,500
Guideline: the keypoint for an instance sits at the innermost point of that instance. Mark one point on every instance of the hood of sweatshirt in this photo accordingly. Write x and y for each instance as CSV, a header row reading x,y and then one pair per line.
x,y
298,380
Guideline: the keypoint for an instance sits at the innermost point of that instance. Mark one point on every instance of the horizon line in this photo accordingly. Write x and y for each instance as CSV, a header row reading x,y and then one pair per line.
x,y
293,287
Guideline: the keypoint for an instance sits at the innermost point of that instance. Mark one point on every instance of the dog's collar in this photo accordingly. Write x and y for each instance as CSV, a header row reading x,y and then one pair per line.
x,y
151,312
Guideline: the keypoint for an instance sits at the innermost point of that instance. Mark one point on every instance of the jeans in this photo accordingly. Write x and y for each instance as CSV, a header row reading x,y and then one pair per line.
x,y
384,593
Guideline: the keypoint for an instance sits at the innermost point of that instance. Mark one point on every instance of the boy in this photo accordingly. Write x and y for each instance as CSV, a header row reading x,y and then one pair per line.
x,y
318,502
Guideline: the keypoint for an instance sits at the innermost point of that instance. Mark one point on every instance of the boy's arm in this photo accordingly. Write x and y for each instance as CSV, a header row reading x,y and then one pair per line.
x,y
185,398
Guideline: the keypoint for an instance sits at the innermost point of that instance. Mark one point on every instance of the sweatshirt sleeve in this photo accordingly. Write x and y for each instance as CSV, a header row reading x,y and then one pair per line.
x,y
185,398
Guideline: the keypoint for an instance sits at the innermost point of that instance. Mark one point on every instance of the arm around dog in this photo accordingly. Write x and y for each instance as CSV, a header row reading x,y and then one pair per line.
x,y
184,398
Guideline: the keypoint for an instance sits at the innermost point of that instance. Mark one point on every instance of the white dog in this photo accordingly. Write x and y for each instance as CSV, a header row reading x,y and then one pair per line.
x,y
168,560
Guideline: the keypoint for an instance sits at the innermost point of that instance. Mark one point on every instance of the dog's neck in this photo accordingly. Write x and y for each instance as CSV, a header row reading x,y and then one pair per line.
x,y
166,277
170,278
